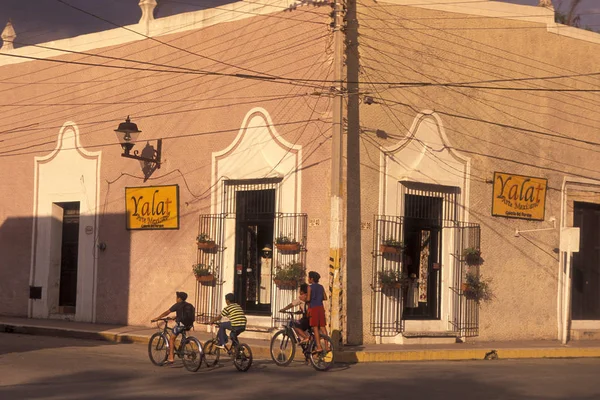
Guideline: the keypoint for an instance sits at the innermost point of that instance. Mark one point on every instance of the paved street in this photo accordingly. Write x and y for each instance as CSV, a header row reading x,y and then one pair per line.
x,y
36,367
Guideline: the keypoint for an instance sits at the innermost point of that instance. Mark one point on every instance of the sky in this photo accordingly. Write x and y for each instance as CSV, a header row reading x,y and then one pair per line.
x,y
39,21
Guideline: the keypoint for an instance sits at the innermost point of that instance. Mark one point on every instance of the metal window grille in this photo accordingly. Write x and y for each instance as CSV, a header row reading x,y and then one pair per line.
x,y
209,294
387,303
293,226
261,203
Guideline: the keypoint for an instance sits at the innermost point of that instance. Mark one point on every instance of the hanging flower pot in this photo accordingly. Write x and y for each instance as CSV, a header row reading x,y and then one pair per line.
x,y
389,279
205,242
477,288
205,278
287,244
203,273
288,276
289,285
207,245
391,246
389,249
391,286
288,247
472,256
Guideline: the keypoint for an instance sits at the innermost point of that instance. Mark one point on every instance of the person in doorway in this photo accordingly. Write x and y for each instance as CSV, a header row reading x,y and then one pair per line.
x,y
316,311
179,308
237,320
302,324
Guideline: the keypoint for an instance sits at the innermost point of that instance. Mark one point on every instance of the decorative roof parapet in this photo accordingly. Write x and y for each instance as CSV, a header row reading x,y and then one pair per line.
x,y
8,37
546,3
147,7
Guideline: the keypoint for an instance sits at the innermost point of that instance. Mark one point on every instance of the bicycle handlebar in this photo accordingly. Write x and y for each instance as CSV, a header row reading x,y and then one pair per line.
x,y
163,319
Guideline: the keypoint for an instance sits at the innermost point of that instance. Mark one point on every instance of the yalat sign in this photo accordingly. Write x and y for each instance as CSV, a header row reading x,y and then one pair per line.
x,y
516,196
152,207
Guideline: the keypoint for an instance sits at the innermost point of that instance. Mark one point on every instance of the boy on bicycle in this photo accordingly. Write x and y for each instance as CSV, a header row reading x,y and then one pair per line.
x,y
236,324
180,317
301,325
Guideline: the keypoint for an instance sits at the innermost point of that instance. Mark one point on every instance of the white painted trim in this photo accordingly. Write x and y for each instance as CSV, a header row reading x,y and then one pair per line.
x,y
563,314
70,191
408,167
215,181
272,157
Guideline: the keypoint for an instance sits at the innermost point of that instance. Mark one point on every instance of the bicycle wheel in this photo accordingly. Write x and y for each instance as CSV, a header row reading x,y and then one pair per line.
x,y
211,353
192,354
323,360
242,357
158,348
283,348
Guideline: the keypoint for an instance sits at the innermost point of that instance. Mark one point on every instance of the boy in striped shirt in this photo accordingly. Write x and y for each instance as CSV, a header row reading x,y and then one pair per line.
x,y
236,323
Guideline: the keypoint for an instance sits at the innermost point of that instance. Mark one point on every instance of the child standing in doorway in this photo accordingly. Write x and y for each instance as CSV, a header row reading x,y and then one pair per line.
x,y
316,311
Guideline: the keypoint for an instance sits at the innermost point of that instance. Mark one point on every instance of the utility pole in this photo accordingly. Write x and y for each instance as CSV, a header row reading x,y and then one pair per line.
x,y
336,238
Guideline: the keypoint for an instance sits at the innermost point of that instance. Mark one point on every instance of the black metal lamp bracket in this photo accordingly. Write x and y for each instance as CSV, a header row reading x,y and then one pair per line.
x,y
136,156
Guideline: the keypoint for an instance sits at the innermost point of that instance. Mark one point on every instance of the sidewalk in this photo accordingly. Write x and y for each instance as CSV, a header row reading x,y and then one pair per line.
x,y
349,354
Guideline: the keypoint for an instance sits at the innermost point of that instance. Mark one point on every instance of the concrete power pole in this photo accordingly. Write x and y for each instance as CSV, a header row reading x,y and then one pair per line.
x,y
336,242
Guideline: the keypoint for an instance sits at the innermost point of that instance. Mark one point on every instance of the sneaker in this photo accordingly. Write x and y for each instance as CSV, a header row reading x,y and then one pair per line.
x,y
222,347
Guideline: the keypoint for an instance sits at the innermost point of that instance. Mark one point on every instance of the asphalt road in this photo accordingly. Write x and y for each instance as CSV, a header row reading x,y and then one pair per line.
x,y
36,367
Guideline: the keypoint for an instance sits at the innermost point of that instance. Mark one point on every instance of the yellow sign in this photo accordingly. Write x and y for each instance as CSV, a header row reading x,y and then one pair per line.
x,y
152,207
516,196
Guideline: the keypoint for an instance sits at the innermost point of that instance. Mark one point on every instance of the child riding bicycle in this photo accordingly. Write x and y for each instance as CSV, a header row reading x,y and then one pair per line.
x,y
302,324
184,318
236,324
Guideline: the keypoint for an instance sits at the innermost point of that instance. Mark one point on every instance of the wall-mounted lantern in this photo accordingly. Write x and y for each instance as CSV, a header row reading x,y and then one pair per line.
x,y
127,133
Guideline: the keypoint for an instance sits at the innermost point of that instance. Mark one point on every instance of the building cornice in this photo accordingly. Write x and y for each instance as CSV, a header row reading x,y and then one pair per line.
x,y
499,9
146,28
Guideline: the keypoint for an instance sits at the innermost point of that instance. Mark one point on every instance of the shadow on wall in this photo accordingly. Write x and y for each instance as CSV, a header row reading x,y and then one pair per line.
x,y
66,255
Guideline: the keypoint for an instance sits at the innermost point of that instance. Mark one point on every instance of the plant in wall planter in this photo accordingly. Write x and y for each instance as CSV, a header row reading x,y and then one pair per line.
x,y
472,256
391,246
287,243
389,279
205,243
475,287
203,273
289,275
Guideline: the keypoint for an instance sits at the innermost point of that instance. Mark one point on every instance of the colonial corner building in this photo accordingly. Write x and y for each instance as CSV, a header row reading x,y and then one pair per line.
x,y
435,161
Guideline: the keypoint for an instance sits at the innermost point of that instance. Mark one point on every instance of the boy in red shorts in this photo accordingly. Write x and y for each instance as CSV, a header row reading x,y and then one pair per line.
x,y
316,311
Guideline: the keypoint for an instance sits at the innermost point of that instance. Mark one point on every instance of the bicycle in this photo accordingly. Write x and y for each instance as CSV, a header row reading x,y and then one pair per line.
x,y
189,349
239,352
286,339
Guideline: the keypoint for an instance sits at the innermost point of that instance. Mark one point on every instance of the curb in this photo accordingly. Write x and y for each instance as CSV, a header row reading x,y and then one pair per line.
x,y
74,333
350,357
458,355
107,336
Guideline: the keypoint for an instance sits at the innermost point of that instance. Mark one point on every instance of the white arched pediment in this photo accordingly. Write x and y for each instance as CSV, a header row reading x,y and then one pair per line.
x,y
259,152
425,155
68,174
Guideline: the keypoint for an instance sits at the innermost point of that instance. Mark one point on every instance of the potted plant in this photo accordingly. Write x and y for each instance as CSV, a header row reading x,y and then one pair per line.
x,y
203,273
391,246
472,256
205,243
389,279
288,276
477,288
287,243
